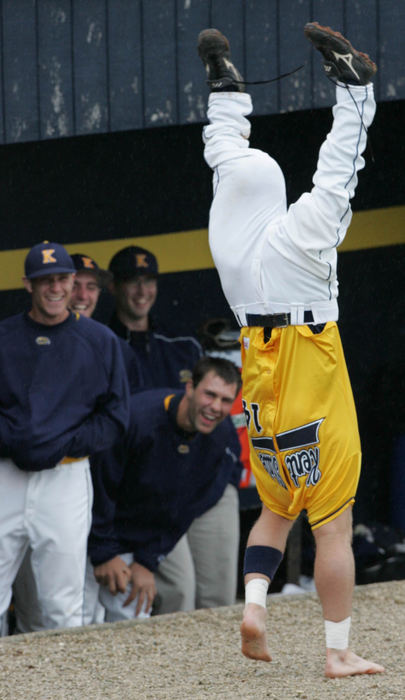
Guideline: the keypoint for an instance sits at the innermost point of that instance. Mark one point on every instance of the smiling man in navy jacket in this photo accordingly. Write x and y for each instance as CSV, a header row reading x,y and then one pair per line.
x,y
63,395
165,359
179,457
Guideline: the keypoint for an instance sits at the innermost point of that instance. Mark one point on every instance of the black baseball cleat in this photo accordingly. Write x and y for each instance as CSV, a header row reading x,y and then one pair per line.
x,y
341,60
214,51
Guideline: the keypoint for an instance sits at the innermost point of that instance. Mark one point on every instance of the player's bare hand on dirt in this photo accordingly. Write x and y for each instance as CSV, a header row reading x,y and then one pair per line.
x,y
143,586
114,574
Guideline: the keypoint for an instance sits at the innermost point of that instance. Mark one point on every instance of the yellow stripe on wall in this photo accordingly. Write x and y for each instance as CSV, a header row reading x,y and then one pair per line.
x,y
188,250
176,252
375,228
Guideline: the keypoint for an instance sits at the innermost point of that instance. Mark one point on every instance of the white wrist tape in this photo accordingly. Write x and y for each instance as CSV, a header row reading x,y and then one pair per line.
x,y
337,634
256,591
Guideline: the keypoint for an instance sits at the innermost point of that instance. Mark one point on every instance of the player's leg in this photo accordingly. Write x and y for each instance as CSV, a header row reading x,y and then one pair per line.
x,y
214,543
175,581
93,610
249,187
334,579
13,534
26,604
262,378
264,551
320,219
113,606
59,523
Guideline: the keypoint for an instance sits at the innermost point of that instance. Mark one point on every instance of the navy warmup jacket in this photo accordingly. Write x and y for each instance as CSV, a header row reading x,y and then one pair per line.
x,y
63,390
164,360
149,488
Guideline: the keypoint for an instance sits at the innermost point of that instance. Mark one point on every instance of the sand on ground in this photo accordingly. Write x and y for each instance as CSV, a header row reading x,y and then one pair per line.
x,y
191,656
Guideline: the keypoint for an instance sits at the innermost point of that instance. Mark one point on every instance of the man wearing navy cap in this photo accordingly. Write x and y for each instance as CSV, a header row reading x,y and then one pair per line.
x,y
165,360
50,266
188,576
89,281
63,396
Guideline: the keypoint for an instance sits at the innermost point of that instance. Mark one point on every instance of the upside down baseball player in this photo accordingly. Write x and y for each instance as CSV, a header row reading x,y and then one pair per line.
x,y
277,267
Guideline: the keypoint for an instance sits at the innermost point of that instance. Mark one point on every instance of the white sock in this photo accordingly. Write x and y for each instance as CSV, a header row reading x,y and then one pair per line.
x,y
337,633
256,591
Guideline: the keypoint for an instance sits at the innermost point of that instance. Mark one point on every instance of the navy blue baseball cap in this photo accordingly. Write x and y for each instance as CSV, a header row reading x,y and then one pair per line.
x,y
133,261
84,263
48,259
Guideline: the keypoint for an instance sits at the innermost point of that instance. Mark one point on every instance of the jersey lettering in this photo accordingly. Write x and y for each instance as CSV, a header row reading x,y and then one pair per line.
x,y
252,412
305,462
246,412
255,412
271,466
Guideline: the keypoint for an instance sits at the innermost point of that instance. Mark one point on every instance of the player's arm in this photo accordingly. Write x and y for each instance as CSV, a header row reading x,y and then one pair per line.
x,y
108,470
113,574
110,418
133,367
142,585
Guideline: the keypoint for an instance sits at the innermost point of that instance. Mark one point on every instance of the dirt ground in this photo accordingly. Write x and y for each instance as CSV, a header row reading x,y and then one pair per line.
x,y
191,656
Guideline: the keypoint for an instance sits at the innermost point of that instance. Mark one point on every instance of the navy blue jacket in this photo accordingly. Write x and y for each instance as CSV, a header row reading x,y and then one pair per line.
x,y
149,488
63,390
164,360
134,370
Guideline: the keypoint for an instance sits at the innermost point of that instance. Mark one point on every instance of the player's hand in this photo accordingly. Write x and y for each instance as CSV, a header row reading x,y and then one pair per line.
x,y
143,586
114,574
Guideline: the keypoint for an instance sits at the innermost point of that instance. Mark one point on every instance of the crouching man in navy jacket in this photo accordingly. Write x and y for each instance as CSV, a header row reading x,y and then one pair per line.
x,y
179,459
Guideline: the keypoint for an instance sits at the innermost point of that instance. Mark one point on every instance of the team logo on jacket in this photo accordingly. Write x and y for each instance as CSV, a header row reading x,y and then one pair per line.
x,y
183,449
42,340
185,375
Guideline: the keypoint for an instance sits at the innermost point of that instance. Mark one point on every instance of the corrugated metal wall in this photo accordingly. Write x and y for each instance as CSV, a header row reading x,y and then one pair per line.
x,y
71,67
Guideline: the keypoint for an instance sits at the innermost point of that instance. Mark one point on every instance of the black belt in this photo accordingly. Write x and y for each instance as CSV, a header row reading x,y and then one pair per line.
x,y
275,320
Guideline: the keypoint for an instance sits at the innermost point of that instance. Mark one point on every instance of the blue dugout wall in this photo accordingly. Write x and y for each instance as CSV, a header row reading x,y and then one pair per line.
x,y
74,67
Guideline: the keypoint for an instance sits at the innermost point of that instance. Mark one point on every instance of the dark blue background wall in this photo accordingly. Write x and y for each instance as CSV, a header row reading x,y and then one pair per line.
x,y
71,67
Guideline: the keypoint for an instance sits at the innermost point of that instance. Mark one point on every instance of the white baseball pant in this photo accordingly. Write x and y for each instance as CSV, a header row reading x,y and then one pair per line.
x,y
113,604
49,511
